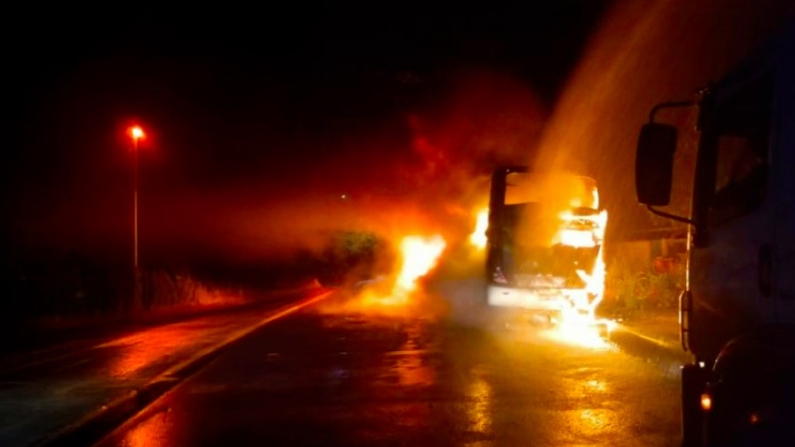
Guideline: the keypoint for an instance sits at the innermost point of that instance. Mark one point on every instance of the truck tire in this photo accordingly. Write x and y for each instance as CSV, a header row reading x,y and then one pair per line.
x,y
693,385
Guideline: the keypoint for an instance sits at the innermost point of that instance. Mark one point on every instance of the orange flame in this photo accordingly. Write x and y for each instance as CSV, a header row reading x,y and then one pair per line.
x,y
574,238
478,237
581,231
595,281
579,324
418,256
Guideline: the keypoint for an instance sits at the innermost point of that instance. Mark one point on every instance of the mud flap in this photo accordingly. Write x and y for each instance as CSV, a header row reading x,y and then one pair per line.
x,y
693,385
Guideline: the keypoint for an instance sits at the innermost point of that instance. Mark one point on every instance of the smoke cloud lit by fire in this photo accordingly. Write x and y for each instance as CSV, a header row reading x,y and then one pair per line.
x,y
423,174
417,168
414,171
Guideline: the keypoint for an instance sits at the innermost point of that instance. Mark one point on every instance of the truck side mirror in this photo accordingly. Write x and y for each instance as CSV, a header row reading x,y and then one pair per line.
x,y
654,163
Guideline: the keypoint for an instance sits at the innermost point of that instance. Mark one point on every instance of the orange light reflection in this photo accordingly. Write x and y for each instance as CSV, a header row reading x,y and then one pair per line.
x,y
479,410
146,348
590,414
153,431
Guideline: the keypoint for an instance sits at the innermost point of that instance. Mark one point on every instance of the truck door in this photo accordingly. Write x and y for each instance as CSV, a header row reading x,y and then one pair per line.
x,y
783,153
736,210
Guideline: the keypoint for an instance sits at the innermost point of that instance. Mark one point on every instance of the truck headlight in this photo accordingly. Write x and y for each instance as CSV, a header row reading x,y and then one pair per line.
x,y
706,402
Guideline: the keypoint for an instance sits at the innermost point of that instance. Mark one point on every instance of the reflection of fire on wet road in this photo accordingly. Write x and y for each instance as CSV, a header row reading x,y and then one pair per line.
x,y
155,430
150,350
582,330
481,405
143,349
411,361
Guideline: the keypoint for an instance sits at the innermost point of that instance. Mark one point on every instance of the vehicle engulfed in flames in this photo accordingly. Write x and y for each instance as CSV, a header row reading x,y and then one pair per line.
x,y
544,243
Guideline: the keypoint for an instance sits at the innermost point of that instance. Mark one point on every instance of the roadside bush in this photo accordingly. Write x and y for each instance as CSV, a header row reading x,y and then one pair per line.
x,y
67,286
163,289
352,256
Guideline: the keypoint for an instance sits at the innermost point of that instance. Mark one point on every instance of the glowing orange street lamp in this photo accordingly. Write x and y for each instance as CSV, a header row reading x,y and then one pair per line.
x,y
136,133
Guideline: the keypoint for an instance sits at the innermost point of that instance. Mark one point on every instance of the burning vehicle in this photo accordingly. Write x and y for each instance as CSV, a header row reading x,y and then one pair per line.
x,y
544,244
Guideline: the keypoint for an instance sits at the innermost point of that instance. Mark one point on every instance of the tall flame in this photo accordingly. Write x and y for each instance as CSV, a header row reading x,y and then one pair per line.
x,y
418,256
595,280
478,237
579,325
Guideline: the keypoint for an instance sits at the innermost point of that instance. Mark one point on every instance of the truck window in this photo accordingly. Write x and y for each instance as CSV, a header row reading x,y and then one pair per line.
x,y
742,129
560,190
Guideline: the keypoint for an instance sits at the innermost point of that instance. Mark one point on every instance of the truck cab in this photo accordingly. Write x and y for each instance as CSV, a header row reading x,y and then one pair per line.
x,y
737,314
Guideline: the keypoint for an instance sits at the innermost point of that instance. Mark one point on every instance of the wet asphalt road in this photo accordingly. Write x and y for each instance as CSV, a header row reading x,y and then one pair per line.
x,y
334,375
47,389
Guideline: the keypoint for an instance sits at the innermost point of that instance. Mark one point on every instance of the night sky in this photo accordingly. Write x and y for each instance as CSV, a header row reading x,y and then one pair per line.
x,y
282,109
259,122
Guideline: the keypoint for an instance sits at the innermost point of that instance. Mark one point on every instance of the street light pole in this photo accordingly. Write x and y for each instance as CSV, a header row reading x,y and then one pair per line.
x,y
135,205
137,134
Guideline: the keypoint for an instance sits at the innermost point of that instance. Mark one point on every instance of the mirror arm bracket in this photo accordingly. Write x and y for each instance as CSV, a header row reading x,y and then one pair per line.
x,y
671,216
669,105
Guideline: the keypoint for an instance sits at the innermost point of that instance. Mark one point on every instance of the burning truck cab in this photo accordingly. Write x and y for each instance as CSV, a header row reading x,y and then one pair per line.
x,y
544,243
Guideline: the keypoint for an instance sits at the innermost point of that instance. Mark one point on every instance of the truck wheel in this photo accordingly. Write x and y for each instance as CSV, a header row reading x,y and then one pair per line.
x,y
693,385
